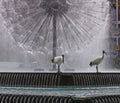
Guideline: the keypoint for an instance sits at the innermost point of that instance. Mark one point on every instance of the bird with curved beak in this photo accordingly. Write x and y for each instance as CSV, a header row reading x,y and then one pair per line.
x,y
58,60
98,60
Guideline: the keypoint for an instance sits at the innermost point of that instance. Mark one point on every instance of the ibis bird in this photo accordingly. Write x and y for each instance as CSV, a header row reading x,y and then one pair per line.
x,y
58,60
98,60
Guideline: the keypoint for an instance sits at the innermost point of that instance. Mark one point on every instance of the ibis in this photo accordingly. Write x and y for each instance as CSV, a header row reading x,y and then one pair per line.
x,y
58,60
97,61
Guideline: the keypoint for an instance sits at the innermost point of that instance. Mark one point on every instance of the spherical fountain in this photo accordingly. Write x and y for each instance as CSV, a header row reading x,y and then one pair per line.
x,y
34,31
45,29
48,28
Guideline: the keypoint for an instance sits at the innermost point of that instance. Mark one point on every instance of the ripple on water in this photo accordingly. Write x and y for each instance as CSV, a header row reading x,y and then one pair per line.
x,y
63,91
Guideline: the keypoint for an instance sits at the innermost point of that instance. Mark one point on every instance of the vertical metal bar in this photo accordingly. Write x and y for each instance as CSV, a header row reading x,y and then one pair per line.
x,y
54,38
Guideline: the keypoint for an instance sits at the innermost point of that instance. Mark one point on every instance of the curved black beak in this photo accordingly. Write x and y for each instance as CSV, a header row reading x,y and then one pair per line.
x,y
105,53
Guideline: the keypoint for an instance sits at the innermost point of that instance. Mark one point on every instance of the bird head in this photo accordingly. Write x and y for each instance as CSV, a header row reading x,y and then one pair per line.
x,y
90,64
104,52
52,60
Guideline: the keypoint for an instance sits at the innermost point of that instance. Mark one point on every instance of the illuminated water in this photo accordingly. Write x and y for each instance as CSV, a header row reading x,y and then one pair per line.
x,y
62,91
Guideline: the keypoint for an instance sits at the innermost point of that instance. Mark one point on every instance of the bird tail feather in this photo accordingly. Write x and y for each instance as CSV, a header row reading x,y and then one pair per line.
x,y
90,64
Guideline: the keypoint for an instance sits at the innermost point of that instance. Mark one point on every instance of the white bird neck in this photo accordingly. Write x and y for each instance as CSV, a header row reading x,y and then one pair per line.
x,y
103,55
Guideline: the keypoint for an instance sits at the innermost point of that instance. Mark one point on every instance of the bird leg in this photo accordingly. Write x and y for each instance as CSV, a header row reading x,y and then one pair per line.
x,y
58,68
97,68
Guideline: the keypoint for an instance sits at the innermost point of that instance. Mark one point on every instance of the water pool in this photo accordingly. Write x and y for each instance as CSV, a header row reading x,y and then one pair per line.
x,y
62,91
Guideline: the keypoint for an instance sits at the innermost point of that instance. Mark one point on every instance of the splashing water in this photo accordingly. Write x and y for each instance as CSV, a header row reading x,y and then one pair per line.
x,y
81,26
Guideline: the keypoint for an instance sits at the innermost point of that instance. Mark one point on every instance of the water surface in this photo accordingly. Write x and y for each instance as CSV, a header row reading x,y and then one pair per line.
x,y
62,91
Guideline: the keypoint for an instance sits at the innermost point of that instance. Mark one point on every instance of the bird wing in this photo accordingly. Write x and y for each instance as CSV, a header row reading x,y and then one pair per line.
x,y
97,60
58,59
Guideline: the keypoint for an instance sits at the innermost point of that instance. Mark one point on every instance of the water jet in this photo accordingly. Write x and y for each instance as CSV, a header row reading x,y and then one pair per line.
x,y
39,30
50,28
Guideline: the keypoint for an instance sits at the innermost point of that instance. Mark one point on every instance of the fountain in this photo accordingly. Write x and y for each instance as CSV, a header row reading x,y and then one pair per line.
x,y
34,31
57,99
44,29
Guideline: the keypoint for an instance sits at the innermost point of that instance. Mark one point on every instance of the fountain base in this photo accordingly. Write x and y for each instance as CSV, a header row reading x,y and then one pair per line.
x,y
59,79
5,98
